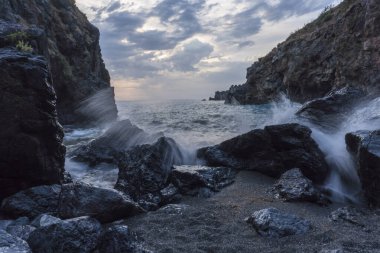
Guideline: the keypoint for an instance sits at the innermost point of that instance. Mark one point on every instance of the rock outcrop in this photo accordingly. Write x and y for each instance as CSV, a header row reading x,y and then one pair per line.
x,y
365,147
271,151
31,146
340,48
219,96
59,31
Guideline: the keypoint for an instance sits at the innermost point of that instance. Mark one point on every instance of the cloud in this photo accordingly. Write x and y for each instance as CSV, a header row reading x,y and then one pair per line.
x,y
189,55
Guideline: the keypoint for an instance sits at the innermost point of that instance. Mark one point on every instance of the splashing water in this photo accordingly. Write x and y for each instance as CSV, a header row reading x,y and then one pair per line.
x,y
194,124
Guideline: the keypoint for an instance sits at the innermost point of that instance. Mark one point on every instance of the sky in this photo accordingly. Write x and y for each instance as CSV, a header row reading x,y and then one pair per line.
x,y
188,49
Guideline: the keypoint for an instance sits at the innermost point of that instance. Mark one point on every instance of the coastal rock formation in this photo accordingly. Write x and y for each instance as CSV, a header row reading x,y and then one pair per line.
x,y
74,235
365,147
119,138
31,146
60,32
340,48
219,96
69,201
294,186
144,170
191,179
330,111
271,222
271,151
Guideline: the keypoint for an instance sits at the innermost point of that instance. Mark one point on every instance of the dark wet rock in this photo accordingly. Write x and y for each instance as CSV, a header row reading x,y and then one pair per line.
x,y
294,186
71,200
119,138
73,53
44,220
20,231
190,179
365,147
271,151
347,214
117,239
339,48
145,169
33,202
12,244
170,194
331,110
21,221
30,135
74,235
106,205
271,222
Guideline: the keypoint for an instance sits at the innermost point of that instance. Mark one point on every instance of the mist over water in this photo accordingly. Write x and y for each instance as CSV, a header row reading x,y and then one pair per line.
x,y
194,124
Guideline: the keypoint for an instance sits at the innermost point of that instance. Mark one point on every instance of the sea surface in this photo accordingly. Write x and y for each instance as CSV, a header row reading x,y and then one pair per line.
x,y
194,124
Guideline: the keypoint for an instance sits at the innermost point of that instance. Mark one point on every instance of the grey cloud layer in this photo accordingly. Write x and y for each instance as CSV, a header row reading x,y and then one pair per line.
x,y
130,52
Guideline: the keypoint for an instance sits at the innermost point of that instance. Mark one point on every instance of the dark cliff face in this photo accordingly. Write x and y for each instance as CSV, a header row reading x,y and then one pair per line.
x,y
340,48
31,146
71,45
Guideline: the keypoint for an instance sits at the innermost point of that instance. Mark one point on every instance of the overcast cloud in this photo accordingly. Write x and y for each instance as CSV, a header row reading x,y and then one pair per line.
x,y
190,48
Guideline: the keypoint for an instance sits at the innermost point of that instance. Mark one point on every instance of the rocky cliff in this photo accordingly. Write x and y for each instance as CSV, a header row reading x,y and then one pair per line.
x,y
60,32
340,48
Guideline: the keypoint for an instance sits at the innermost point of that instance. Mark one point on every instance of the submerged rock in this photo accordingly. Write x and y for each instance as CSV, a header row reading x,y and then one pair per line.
x,y
69,201
294,186
31,146
75,235
271,222
144,170
330,111
117,239
365,146
271,151
119,138
191,179
12,244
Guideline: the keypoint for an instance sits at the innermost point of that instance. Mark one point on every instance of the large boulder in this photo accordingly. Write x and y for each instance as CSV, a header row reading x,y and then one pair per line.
x,y
30,135
79,235
294,186
340,48
271,222
12,244
271,151
69,201
330,111
191,179
119,138
117,239
365,147
144,170
72,48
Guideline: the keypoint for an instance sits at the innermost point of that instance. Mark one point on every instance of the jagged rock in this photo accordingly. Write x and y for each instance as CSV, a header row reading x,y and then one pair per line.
x,y
75,235
73,52
144,170
294,186
71,200
106,205
365,147
331,110
118,239
30,135
44,220
347,214
33,202
219,96
12,244
120,137
20,231
170,194
271,222
339,48
271,151
190,179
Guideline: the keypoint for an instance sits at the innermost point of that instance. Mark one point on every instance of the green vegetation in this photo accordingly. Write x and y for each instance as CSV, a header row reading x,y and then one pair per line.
x,y
24,46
